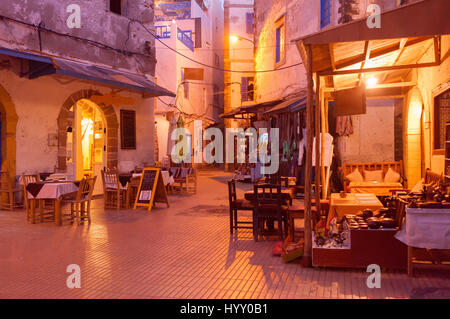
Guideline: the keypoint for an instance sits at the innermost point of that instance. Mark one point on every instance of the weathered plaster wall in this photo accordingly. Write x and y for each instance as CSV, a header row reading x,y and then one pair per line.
x,y
300,19
97,24
373,137
38,103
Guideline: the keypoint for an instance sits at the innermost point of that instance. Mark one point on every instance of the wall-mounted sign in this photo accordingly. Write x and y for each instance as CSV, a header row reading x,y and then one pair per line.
x,y
350,101
111,98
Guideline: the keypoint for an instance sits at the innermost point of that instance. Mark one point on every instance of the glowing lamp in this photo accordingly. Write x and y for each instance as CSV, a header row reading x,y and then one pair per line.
x,y
371,82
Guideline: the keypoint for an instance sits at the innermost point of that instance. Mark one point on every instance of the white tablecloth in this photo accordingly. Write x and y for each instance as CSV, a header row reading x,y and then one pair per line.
x,y
166,178
426,228
54,190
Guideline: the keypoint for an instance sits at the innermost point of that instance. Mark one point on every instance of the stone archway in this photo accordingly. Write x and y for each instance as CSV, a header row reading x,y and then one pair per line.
x,y
9,120
112,128
413,132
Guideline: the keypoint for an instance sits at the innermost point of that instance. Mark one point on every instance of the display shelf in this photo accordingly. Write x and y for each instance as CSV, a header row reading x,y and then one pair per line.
x,y
368,246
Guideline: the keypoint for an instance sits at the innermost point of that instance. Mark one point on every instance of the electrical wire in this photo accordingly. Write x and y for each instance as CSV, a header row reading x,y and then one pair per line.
x,y
43,28
211,66
40,27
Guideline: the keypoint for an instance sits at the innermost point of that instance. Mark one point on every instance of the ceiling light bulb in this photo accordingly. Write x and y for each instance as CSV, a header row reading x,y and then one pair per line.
x,y
372,82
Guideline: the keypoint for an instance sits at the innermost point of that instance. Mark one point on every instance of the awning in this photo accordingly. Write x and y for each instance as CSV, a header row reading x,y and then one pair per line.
x,y
41,65
410,37
249,109
291,105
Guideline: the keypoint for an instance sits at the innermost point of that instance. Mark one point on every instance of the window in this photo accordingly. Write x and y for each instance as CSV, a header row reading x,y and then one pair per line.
x,y
128,129
249,22
115,6
216,96
247,89
279,42
216,60
185,85
325,13
441,116
163,32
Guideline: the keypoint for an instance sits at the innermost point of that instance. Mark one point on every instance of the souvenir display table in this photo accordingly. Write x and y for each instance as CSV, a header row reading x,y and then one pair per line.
x,y
352,204
427,228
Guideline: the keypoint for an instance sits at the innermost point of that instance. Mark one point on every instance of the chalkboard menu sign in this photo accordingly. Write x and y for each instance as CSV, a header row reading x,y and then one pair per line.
x,y
128,129
151,189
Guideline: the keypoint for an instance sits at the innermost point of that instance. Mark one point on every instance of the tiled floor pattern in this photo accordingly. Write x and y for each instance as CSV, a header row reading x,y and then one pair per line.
x,y
181,252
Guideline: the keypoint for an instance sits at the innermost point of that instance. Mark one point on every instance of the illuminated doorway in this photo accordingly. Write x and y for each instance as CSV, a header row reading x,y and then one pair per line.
x,y
86,141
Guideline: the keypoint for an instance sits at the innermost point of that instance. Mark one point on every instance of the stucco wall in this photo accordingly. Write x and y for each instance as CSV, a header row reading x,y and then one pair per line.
x,y
38,103
373,136
200,103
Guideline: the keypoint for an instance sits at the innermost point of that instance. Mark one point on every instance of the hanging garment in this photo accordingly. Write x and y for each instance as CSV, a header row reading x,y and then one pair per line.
x,y
286,151
344,125
301,147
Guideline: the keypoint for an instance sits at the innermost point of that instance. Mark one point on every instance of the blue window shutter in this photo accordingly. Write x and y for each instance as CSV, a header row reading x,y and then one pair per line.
x,y
244,89
278,51
249,22
325,13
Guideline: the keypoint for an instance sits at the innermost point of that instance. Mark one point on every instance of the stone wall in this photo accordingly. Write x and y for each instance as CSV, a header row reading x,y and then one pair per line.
x,y
117,36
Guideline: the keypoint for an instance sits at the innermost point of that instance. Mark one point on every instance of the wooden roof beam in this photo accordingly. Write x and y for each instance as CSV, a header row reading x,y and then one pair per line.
x,y
380,69
377,53
399,54
367,57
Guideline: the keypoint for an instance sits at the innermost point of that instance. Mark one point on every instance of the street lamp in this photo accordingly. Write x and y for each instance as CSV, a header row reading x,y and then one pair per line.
x,y
235,38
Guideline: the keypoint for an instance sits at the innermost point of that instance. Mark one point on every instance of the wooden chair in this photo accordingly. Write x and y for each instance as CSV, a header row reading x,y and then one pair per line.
x,y
7,187
27,179
191,181
80,204
400,212
298,212
132,190
235,206
185,178
114,193
268,205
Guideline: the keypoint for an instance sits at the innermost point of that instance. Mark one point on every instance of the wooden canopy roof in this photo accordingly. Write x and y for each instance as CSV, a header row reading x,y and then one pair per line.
x,y
409,37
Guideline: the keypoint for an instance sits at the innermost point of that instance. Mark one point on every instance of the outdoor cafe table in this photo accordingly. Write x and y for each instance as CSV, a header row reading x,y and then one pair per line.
x,y
124,179
352,204
286,194
52,191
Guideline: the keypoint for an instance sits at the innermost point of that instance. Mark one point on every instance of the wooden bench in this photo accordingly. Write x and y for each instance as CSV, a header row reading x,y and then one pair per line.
x,y
384,166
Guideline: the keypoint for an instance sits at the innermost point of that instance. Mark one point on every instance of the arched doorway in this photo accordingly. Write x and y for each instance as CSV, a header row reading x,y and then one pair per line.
x,y
8,126
87,135
414,138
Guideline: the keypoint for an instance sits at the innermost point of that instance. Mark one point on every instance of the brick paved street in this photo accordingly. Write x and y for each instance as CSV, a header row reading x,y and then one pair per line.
x,y
182,252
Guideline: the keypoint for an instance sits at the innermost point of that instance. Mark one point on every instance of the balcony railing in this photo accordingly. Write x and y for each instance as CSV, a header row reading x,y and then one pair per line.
x,y
186,38
163,32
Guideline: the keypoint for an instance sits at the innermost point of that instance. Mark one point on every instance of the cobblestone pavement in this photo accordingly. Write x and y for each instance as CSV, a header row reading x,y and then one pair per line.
x,y
185,251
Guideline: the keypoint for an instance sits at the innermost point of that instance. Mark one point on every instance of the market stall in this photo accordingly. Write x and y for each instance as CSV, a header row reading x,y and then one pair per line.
x,y
348,65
